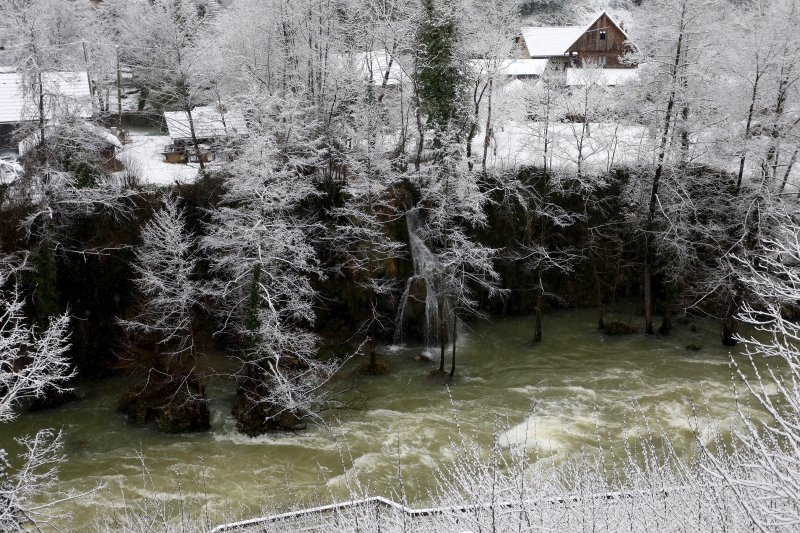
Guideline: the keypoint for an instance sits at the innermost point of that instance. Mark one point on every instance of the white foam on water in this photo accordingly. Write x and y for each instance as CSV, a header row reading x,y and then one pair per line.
x,y
313,437
365,463
395,348
705,361
770,389
548,433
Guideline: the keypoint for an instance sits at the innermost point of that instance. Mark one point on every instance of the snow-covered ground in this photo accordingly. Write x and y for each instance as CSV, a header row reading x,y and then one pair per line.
x,y
604,145
143,157
517,144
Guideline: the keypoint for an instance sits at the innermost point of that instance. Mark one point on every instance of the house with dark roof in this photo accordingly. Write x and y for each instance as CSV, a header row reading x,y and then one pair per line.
x,y
603,43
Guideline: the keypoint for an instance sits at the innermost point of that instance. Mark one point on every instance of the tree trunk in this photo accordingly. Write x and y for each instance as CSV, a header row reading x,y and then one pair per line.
x,y
420,131
771,163
194,139
599,298
373,354
537,333
747,129
473,126
729,326
667,311
789,167
41,112
662,151
666,321
648,294
453,362
487,138
442,341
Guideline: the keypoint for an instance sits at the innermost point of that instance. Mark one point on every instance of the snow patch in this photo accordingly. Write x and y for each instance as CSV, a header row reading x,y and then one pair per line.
x,y
144,158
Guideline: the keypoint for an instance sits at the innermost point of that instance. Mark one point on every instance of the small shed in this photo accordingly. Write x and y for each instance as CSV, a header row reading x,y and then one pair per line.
x,y
65,94
211,125
523,68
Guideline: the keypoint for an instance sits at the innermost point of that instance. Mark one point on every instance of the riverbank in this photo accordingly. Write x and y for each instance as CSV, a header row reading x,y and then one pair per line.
x,y
557,397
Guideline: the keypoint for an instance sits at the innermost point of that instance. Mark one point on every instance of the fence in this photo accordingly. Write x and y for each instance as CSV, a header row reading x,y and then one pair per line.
x,y
383,515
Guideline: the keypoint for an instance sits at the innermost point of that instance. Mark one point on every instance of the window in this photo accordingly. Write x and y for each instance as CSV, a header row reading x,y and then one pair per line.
x,y
602,35
602,61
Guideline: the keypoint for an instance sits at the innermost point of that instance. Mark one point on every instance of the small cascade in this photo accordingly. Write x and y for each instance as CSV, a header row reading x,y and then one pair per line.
x,y
427,274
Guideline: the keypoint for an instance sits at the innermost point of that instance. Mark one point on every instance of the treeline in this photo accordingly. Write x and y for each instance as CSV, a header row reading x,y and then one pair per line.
x,y
366,198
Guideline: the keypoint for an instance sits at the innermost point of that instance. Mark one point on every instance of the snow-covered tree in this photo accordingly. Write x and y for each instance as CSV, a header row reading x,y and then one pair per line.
x,y
543,250
32,363
165,264
452,266
158,41
764,473
161,333
259,246
369,208
489,28
584,106
670,42
45,37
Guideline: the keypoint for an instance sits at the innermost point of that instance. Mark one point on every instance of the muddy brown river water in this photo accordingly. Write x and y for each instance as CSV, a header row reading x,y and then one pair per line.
x,y
555,396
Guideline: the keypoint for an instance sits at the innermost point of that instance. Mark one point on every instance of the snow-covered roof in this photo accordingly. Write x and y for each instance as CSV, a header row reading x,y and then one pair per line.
x,y
64,92
88,130
209,123
524,67
602,76
512,68
550,41
374,64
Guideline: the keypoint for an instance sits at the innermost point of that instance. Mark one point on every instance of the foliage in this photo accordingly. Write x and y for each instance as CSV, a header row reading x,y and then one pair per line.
x,y
32,364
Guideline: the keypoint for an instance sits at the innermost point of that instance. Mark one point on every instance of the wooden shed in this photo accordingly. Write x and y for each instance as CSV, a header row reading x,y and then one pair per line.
x,y
64,94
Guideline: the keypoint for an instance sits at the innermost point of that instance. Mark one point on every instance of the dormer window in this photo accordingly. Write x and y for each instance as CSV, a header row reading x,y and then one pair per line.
x,y
602,35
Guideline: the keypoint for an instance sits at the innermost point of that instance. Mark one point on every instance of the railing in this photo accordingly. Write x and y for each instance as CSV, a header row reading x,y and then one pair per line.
x,y
399,512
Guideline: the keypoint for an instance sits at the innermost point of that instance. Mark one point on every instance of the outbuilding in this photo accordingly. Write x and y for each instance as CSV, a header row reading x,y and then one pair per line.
x,y
48,96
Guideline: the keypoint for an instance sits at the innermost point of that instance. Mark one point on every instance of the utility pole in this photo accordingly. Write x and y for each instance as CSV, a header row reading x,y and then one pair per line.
x,y
119,95
88,75
41,109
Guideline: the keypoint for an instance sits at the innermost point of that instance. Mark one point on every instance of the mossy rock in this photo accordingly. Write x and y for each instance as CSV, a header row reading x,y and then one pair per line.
x,y
191,415
256,416
174,410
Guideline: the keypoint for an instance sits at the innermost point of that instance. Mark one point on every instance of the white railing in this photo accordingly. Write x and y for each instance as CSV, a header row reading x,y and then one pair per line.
x,y
398,513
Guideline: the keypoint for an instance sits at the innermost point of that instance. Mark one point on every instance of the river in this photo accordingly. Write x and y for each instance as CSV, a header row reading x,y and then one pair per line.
x,y
555,395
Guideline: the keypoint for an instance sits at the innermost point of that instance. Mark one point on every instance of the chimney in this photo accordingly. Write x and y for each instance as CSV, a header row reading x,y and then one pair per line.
x,y
622,26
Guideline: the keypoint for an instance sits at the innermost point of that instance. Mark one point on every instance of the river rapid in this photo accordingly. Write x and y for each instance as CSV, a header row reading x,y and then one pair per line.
x,y
555,396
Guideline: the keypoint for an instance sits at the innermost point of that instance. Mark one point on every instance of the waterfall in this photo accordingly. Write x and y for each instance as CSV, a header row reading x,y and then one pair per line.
x,y
427,271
